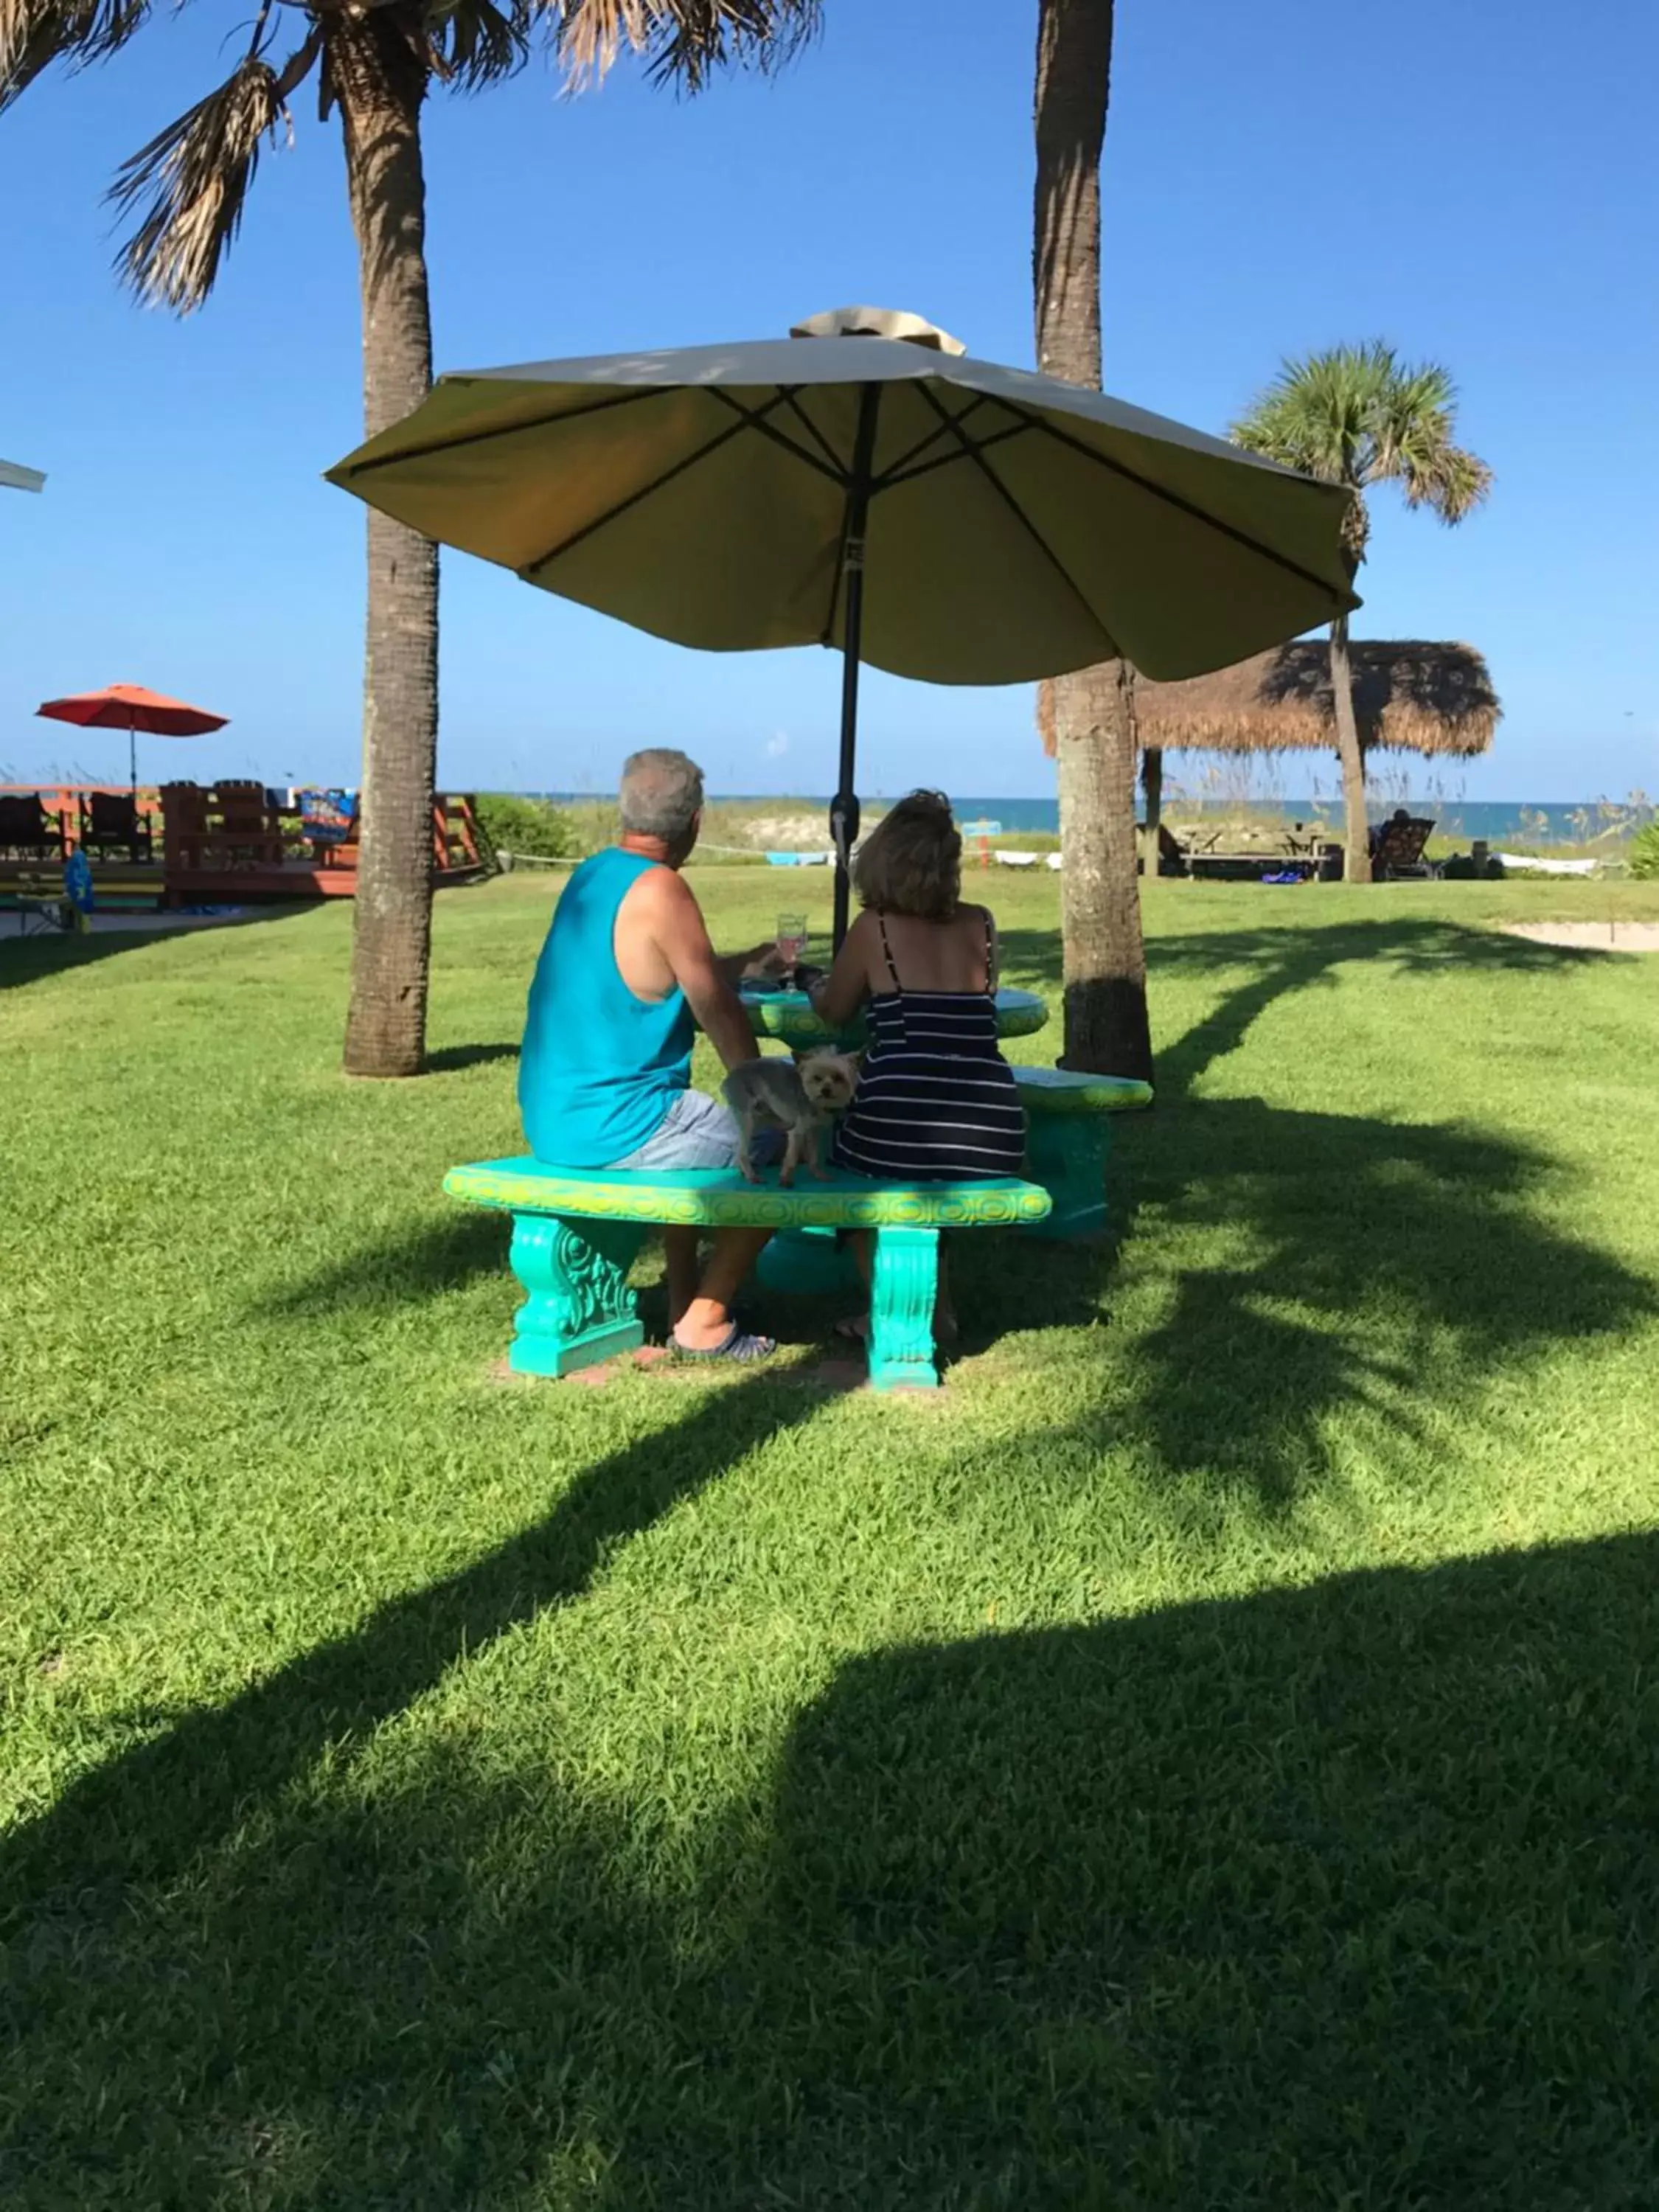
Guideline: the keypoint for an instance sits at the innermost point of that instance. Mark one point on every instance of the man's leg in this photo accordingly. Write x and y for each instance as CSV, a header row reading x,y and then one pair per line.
x,y
706,1321
679,1252
698,1132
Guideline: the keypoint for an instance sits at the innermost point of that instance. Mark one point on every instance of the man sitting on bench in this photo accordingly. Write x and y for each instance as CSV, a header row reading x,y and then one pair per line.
x,y
626,973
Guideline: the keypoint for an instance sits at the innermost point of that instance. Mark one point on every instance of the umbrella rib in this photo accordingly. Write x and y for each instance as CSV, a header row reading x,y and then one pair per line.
x,y
948,460
972,453
1174,499
752,419
890,473
513,429
791,400
686,461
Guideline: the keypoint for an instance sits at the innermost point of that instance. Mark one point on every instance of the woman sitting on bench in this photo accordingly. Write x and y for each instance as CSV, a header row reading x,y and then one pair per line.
x,y
936,1101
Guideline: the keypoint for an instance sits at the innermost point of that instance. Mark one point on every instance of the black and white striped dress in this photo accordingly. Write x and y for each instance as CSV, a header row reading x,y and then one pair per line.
x,y
936,1101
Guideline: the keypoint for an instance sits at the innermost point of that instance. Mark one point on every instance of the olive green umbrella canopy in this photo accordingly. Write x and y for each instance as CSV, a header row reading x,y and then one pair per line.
x,y
937,516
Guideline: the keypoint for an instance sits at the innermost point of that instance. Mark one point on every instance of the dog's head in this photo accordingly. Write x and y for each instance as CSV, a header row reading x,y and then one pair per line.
x,y
830,1079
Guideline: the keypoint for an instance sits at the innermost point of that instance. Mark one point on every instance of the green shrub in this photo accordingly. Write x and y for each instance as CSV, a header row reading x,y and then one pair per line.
x,y
1644,853
534,827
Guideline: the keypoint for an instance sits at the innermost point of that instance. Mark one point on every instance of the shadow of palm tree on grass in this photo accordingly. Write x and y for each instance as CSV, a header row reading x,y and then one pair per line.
x,y
43,956
1333,1895
1293,956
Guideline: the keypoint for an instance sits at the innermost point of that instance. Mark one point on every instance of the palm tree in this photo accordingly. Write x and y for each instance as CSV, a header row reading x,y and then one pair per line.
x,y
1090,714
1355,417
375,61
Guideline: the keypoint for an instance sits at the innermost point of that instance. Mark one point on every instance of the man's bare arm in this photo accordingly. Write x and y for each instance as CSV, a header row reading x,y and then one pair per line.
x,y
682,939
733,966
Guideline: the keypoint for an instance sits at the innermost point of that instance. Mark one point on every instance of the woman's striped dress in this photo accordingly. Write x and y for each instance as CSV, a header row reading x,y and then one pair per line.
x,y
936,1101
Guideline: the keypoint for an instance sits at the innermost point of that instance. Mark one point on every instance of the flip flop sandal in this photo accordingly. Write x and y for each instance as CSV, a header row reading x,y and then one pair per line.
x,y
738,1345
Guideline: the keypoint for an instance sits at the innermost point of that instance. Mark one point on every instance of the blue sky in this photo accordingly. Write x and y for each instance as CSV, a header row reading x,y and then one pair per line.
x,y
1476,182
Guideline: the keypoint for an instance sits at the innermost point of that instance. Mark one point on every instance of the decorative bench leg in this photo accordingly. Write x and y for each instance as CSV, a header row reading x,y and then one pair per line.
x,y
580,1309
1066,1153
905,1286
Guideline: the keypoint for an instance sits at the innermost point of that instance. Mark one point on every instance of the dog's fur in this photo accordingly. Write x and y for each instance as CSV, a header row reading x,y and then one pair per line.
x,y
778,1094
830,1079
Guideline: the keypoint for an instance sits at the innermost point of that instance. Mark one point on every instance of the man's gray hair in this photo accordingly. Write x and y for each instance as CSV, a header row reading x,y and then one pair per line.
x,y
660,793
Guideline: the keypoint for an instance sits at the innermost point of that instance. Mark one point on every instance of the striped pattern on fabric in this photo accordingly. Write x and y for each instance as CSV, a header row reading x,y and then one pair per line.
x,y
936,1100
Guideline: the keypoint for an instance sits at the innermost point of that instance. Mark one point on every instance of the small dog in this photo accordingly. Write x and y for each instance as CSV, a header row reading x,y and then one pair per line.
x,y
830,1079
777,1094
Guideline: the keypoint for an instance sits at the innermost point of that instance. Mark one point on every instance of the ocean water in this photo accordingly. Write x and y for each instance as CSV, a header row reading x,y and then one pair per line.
x,y
1499,820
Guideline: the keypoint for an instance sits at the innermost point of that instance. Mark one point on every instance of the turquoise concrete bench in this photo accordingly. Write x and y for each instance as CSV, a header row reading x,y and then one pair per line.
x,y
575,1232
1068,1119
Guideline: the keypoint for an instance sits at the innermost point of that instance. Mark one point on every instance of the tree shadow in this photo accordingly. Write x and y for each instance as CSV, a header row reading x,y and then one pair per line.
x,y
1324,1261
123,1822
1342,1895
1291,958
1319,1263
451,1058
1336,1895
410,1265
41,958
1288,960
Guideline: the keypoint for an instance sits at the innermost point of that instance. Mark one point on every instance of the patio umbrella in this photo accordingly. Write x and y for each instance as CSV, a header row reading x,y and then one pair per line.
x,y
129,706
863,484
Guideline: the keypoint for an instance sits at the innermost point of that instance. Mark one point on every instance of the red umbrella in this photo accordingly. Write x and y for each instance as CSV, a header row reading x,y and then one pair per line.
x,y
129,706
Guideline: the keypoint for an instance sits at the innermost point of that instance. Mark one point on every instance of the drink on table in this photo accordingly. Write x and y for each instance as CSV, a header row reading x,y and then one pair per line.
x,y
792,936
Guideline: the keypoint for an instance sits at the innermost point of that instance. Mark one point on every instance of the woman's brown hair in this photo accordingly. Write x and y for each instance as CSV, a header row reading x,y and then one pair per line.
x,y
911,861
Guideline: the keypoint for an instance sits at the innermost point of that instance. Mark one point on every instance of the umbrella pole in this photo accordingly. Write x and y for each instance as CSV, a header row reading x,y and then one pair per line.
x,y
844,807
132,759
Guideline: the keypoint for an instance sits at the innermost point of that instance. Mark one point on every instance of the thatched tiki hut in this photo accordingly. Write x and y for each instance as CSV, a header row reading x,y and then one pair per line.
x,y
1408,696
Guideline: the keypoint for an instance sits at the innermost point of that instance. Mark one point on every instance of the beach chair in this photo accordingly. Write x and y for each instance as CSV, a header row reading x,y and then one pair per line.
x,y
1397,849
246,834
1171,853
112,819
27,832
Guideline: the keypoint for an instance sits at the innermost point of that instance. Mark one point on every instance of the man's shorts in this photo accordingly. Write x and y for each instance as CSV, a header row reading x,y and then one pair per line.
x,y
696,1132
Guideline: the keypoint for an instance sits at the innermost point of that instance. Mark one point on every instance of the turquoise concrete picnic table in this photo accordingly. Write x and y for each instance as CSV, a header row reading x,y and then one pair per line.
x,y
809,1260
790,1017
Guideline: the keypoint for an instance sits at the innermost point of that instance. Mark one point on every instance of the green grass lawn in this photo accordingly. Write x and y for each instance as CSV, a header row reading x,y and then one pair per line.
x,y
1203,1757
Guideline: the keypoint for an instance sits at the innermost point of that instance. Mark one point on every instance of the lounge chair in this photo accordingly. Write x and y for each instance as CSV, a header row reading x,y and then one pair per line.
x,y
111,818
1171,853
26,830
1397,849
247,834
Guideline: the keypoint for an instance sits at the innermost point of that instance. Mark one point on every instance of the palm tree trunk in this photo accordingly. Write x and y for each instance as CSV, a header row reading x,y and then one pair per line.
x,y
1357,857
377,69
1104,960
1152,785
1105,965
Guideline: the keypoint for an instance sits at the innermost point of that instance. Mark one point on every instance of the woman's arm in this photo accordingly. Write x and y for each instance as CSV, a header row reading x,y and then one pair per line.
x,y
845,988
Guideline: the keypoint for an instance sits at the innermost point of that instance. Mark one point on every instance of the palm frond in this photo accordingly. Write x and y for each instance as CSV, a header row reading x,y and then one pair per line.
x,y
189,185
477,44
1416,447
1456,484
1355,415
35,33
685,42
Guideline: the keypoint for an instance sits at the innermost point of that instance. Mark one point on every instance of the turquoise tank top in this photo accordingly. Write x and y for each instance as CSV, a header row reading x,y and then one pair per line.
x,y
599,1068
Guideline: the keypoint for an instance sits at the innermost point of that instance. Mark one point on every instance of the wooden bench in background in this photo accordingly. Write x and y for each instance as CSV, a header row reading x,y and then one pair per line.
x,y
575,1233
